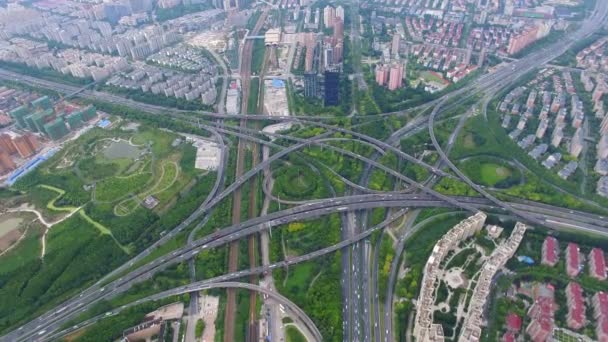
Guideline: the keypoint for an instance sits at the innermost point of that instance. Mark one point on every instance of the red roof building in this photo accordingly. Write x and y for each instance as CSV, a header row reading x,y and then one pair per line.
x,y
508,337
576,306
549,255
540,329
601,329
542,314
600,314
600,304
572,260
513,322
597,264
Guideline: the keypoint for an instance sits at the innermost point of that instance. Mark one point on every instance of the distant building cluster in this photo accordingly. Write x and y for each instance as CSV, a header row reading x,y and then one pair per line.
x,y
37,126
551,101
183,58
11,99
169,83
390,75
322,54
100,42
527,36
596,263
333,46
39,116
23,146
594,61
594,58
574,264
434,31
491,39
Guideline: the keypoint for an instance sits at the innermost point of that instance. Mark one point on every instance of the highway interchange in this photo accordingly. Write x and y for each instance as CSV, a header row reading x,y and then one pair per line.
x,y
353,207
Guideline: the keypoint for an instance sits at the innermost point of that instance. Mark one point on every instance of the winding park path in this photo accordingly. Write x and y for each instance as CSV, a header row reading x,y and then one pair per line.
x,y
51,206
121,210
70,211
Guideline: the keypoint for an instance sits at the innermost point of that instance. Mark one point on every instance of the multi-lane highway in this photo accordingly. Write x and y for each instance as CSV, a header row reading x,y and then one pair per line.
x,y
553,217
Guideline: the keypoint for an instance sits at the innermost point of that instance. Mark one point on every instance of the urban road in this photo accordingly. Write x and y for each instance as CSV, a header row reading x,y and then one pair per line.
x,y
557,218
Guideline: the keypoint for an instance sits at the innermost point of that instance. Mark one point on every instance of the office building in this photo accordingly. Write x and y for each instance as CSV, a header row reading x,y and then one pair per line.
x,y
332,88
310,84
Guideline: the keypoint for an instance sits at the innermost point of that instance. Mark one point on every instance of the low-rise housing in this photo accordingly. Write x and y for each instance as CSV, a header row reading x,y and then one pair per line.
x,y
568,170
600,315
602,186
538,151
550,251
576,306
573,260
601,167
597,264
552,160
542,314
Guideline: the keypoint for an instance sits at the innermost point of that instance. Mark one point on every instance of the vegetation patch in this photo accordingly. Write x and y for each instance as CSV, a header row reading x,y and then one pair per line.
x,y
490,172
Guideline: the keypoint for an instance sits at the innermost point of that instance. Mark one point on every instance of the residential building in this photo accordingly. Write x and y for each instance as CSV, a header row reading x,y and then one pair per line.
x,y
602,186
597,264
542,314
601,167
550,251
22,146
576,144
576,306
573,260
395,79
600,315
602,146
423,322
471,328
382,72
329,15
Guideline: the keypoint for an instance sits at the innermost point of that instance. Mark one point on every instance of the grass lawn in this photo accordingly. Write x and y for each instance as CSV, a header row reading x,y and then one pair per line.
x,y
469,142
428,76
494,173
160,141
292,334
111,189
299,277
27,250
